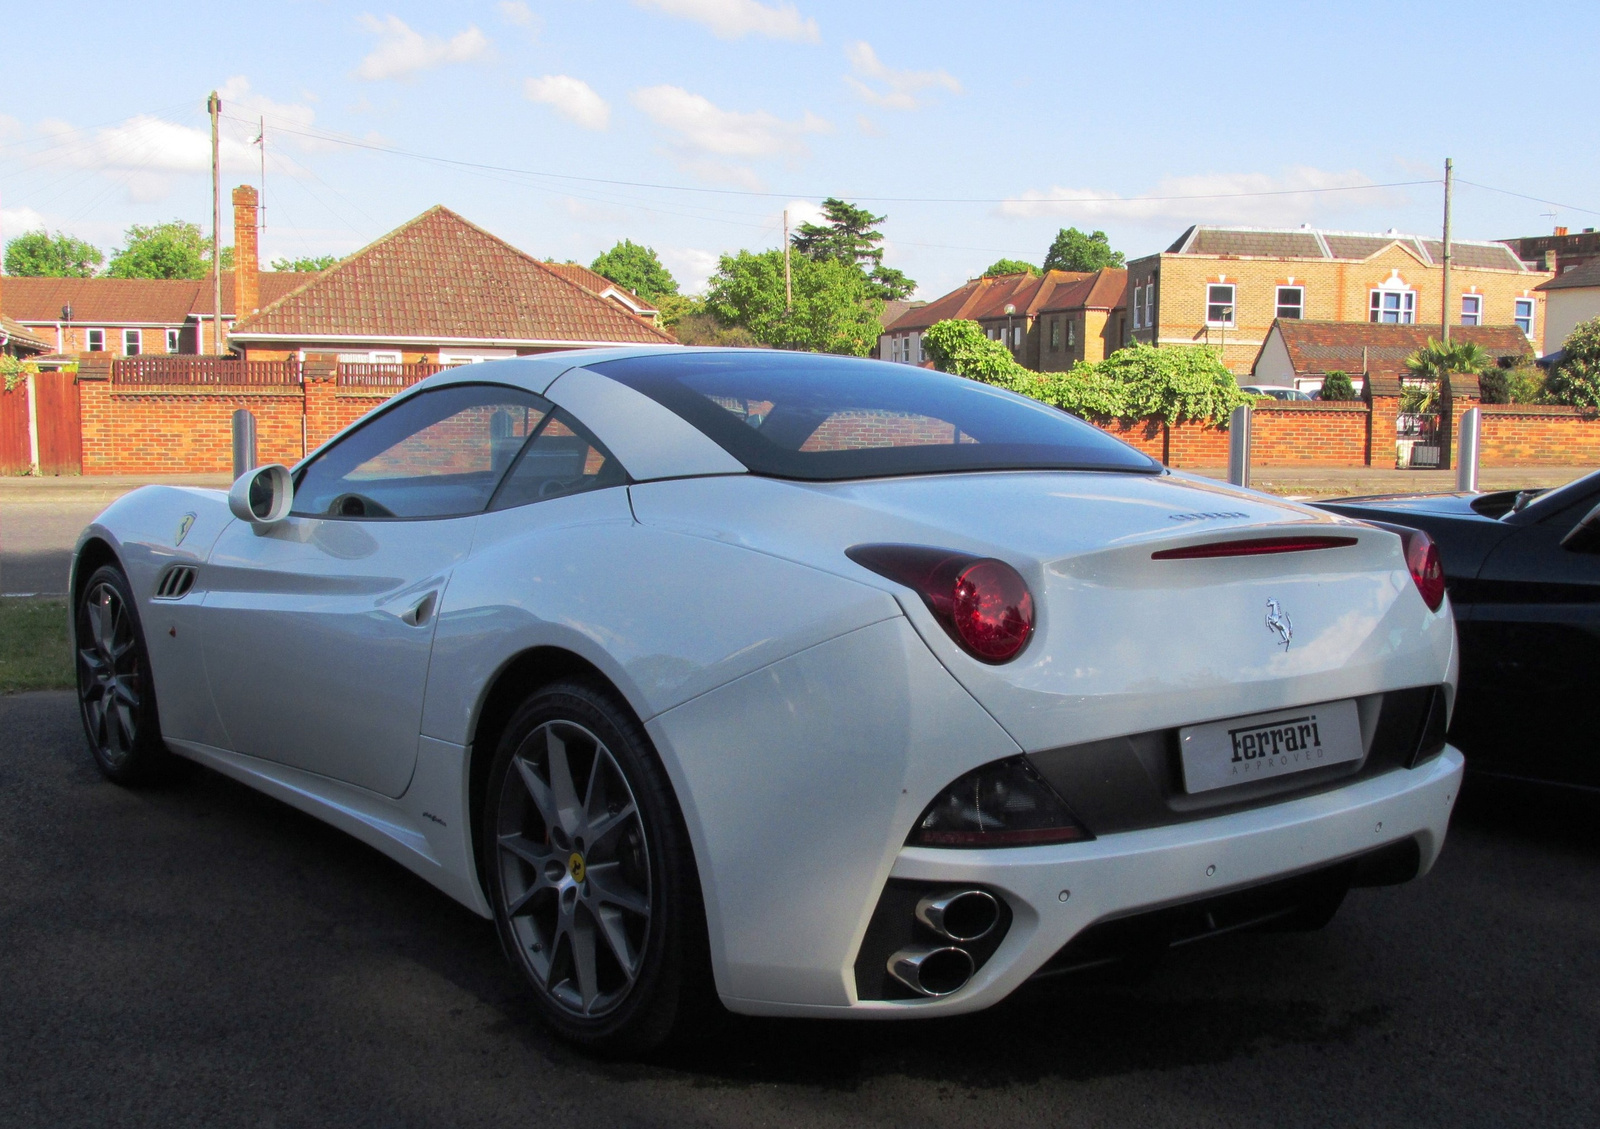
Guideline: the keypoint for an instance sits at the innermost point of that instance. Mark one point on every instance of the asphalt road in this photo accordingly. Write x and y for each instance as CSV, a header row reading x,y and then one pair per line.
x,y
203,955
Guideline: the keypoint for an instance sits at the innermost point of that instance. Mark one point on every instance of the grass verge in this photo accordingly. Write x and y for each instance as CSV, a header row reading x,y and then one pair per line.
x,y
34,653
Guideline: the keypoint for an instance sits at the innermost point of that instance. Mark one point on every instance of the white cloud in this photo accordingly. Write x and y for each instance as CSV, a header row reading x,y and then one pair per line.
x,y
9,126
572,98
802,211
868,127
1257,199
733,19
402,52
145,153
691,266
516,12
15,221
238,100
887,87
702,126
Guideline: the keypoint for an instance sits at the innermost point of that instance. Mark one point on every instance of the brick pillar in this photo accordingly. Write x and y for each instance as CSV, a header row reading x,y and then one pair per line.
x,y
1458,394
320,374
95,421
246,254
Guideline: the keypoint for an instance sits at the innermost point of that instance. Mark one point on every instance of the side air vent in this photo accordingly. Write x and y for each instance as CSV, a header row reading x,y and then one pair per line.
x,y
175,582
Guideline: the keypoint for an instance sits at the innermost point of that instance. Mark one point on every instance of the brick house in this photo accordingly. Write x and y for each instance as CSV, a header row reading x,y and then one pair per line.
x,y
1299,353
438,290
1571,297
1048,321
17,341
1225,287
598,284
1560,252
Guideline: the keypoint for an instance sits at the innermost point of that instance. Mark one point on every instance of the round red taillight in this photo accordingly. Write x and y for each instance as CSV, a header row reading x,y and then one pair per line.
x,y
1422,558
993,610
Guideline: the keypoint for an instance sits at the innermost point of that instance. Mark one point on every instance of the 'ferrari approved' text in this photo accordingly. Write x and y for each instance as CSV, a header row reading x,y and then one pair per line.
x,y
1249,748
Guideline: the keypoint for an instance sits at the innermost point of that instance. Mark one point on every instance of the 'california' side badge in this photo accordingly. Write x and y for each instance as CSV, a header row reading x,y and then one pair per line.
x,y
183,528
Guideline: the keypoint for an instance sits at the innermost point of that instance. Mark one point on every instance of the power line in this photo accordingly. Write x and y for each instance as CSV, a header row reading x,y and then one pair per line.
x,y
1525,196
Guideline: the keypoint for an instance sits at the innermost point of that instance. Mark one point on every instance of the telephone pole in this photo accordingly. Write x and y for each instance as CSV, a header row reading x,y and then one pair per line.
x,y
788,282
214,108
1449,181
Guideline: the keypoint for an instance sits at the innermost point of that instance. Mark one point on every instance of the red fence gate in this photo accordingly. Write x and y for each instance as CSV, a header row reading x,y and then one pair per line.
x,y
16,449
54,434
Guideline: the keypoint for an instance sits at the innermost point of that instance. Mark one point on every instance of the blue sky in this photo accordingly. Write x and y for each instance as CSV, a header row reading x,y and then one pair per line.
x,y
1032,115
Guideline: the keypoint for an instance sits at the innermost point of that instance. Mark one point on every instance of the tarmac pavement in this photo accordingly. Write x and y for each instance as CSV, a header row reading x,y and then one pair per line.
x,y
199,954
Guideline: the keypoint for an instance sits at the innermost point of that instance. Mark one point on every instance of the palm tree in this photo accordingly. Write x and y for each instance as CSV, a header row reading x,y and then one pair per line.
x,y
1438,360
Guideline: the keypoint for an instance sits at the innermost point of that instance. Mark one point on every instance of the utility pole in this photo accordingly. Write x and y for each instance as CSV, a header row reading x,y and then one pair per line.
x,y
788,282
214,108
1449,180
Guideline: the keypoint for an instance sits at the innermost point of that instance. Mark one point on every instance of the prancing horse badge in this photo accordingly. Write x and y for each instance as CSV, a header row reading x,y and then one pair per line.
x,y
183,528
1279,624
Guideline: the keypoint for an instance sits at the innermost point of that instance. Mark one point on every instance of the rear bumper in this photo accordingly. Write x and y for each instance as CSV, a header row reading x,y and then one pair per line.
x,y
1056,892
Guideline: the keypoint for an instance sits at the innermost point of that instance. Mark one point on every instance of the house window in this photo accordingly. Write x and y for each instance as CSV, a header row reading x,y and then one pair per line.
x,y
96,339
1016,337
1055,333
1150,304
1394,307
1072,334
1219,304
918,339
172,341
1524,318
1472,309
1291,301
1138,307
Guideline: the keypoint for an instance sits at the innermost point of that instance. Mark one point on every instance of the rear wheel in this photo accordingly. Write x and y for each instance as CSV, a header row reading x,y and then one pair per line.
x,y
116,695
590,873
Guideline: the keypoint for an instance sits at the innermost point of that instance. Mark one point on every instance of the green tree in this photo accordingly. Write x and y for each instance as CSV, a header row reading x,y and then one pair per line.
x,y
1002,267
835,309
636,267
38,254
1337,386
1073,250
1576,380
177,249
1174,382
1435,363
960,347
849,236
308,265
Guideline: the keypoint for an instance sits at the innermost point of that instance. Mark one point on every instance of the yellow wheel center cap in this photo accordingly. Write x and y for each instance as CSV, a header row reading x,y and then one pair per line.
x,y
575,866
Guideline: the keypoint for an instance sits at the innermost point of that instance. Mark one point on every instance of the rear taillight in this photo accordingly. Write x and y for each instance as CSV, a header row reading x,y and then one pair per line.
x,y
1422,558
1004,804
982,603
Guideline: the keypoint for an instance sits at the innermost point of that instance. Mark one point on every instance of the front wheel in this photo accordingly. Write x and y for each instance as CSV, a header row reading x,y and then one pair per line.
x,y
116,695
591,875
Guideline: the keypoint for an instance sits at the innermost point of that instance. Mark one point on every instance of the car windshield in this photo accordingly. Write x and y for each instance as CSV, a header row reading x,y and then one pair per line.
x,y
1554,501
815,417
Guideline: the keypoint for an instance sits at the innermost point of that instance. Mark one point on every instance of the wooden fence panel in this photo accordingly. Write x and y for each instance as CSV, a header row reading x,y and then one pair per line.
x,y
369,374
16,457
59,422
179,369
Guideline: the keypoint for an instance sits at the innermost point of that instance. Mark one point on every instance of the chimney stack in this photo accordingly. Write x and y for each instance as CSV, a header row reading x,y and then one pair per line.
x,y
246,255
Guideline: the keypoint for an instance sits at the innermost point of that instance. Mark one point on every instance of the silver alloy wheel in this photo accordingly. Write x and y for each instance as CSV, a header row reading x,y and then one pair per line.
x,y
109,683
574,869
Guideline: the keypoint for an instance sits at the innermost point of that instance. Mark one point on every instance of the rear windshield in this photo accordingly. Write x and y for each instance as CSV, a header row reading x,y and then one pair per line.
x,y
817,417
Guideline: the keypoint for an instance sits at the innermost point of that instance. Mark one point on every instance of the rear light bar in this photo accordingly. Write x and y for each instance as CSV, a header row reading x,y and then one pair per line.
x,y
1252,547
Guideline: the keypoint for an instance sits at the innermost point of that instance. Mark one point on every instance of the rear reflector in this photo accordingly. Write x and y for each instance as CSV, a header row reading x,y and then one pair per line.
x,y
1255,547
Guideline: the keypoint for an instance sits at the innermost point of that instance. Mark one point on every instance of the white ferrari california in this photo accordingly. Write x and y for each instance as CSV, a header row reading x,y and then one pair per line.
x,y
816,685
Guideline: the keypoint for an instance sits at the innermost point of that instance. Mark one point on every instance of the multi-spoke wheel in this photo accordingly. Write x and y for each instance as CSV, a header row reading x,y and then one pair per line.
x,y
114,686
592,879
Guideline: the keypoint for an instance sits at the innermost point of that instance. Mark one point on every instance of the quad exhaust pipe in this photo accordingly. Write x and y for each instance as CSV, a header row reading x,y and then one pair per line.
x,y
960,915
932,972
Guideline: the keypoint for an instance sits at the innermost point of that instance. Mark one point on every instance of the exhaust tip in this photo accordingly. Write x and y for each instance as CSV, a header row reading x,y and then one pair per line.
x,y
960,915
932,972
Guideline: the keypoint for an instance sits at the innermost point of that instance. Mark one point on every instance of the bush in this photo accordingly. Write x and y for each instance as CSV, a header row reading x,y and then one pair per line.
x,y
1525,385
1494,387
1576,380
1175,383
1337,386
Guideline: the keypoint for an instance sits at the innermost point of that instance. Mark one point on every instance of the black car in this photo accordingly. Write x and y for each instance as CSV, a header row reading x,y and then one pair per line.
x,y
1523,572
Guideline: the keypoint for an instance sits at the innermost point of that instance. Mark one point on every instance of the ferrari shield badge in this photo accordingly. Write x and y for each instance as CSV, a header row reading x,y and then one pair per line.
x,y
183,528
1279,623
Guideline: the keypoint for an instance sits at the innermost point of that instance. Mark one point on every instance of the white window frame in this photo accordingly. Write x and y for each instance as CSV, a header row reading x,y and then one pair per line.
x,y
917,338
1150,304
1138,307
132,342
1475,316
1232,304
1406,310
174,340
88,341
1016,337
1299,306
1072,333
1533,312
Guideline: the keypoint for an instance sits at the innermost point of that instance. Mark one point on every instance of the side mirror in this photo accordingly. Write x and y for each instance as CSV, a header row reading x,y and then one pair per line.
x,y
262,496
1585,536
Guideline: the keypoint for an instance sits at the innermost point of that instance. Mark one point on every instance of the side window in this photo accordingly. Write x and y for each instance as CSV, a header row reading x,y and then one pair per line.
x,y
438,454
562,459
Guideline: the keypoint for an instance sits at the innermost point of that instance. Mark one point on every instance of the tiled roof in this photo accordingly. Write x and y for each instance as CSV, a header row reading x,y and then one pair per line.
x,y
1586,274
986,298
1312,243
893,310
128,301
442,278
1105,289
1319,347
596,283
18,336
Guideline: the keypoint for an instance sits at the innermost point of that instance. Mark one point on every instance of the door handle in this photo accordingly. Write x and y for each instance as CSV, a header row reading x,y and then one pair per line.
x,y
422,612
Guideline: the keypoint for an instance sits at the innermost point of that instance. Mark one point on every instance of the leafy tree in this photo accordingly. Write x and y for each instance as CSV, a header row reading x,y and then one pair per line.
x,y
1174,382
177,249
307,265
835,309
1002,267
636,267
1336,385
1576,380
1073,250
849,237
38,254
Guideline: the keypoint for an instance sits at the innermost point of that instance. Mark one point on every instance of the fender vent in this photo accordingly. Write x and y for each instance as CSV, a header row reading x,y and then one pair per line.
x,y
175,582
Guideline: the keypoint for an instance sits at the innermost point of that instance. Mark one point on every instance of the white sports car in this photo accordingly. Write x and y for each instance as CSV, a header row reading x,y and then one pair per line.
x,y
822,686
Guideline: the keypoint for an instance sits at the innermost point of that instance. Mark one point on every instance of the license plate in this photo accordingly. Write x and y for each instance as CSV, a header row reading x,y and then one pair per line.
x,y
1222,753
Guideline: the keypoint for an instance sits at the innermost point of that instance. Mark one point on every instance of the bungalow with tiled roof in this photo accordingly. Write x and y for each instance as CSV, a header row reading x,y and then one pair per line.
x,y
596,283
17,341
1298,353
438,290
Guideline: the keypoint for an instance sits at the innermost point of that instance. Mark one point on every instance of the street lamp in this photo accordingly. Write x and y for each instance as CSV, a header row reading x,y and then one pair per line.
x,y
1010,309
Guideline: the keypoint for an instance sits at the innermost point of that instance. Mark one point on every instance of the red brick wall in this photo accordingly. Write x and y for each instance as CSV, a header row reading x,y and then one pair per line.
x,y
1524,435
1297,433
182,429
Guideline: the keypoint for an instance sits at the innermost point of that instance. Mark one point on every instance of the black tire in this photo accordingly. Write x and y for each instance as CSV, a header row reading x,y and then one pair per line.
x,y
116,694
618,964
